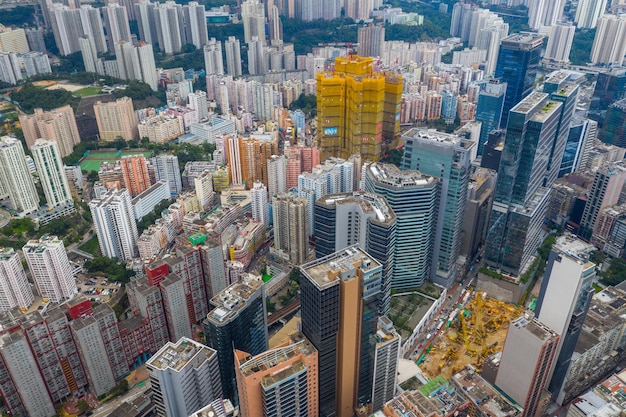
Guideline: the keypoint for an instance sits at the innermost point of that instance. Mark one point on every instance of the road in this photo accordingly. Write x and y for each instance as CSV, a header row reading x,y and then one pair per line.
x,y
107,408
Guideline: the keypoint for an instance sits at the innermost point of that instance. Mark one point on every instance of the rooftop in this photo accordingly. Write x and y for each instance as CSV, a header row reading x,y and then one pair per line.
x,y
390,175
228,302
530,102
6,253
522,41
369,203
175,356
440,137
483,394
324,272
573,247
534,327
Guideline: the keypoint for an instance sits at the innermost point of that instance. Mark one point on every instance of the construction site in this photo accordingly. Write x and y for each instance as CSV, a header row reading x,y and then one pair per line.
x,y
474,330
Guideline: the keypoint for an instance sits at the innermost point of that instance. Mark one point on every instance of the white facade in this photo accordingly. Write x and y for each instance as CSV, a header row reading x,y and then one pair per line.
x,y
204,189
277,174
185,377
166,168
253,16
15,290
198,102
161,127
115,224
116,23
588,12
195,24
258,195
50,268
560,42
144,203
609,45
51,173
233,56
15,177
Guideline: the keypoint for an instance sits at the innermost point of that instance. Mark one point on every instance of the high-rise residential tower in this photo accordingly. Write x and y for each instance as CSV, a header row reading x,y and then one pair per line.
x,y
233,56
195,24
15,290
166,168
115,224
609,44
253,17
281,381
414,198
517,65
339,296
588,12
448,158
58,125
260,205
170,27
116,24
51,173
135,174
184,378
16,181
560,43
290,227
50,268
116,119
213,61
371,39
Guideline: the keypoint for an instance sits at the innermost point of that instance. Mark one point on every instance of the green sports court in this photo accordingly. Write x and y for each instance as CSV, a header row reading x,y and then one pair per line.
x,y
92,159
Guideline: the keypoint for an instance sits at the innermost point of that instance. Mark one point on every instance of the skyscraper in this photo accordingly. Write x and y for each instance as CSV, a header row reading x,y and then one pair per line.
x,y
563,302
213,61
184,377
115,224
560,43
198,102
116,23
166,168
290,227
535,137
527,356
386,363
414,198
69,24
116,119
50,268
588,12
281,381
614,130
339,296
14,288
489,110
362,219
233,56
58,125
257,63
352,101
258,195
517,65
238,321
16,181
195,24
204,189
605,191
446,157
51,173
609,44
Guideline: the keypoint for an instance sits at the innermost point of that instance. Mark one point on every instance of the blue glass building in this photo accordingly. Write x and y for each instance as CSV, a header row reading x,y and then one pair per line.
x,y
518,62
489,110
446,157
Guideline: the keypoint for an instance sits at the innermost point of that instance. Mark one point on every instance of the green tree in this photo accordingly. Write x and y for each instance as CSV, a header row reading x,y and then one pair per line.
x,y
82,406
616,273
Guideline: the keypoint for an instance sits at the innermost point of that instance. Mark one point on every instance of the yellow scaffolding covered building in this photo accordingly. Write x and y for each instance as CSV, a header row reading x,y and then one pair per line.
x,y
357,108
